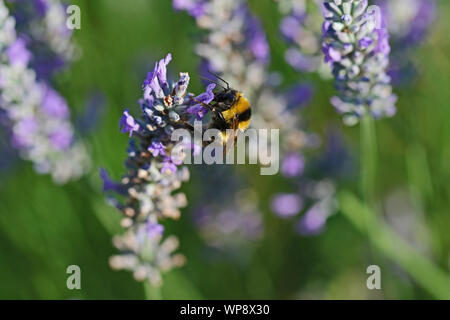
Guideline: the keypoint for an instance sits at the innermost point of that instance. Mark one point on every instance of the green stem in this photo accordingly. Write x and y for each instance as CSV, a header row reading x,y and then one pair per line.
x,y
368,159
422,270
368,169
152,292
419,176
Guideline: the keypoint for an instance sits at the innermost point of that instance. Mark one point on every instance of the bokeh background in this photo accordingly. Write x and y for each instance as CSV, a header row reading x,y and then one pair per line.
x,y
44,228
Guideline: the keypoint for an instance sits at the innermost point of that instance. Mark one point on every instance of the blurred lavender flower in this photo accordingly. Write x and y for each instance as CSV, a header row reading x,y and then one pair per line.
x,y
53,104
299,95
38,115
154,172
145,254
314,200
335,160
287,204
194,7
312,222
17,53
231,227
228,49
322,206
293,165
94,110
358,49
301,29
408,22
43,24
234,44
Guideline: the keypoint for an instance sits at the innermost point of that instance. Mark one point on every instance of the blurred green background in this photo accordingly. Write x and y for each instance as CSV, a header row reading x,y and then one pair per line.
x,y
45,228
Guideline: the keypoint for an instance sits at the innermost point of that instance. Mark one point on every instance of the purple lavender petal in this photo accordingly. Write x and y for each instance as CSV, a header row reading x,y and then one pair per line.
x,y
383,46
195,8
18,53
256,37
170,165
162,69
312,222
198,110
299,95
207,96
154,229
128,124
292,165
61,138
300,61
289,27
204,98
331,55
110,185
41,6
53,104
24,131
157,148
286,205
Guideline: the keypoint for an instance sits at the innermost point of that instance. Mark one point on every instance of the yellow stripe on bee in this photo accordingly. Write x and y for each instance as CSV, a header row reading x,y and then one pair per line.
x,y
239,107
243,125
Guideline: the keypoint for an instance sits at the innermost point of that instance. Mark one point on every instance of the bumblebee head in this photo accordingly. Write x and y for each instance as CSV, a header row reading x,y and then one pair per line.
x,y
228,96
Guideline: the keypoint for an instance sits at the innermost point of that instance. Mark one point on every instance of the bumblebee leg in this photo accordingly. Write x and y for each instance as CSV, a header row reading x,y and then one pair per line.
x,y
190,126
235,127
220,115
232,138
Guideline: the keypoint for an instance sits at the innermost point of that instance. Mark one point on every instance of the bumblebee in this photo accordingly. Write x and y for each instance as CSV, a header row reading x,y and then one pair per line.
x,y
230,110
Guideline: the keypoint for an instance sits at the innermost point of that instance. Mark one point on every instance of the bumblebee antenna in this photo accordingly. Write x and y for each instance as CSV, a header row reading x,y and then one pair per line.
x,y
218,77
212,81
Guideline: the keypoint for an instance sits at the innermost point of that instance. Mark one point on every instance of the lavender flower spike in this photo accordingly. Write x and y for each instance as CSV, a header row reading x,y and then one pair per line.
x,y
38,117
153,173
145,254
358,49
